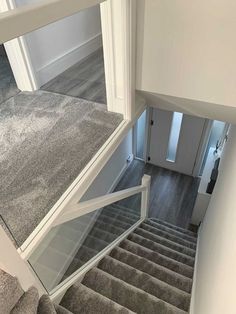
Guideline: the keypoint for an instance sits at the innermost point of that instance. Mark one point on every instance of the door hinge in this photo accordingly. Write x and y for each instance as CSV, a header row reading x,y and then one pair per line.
x,y
151,122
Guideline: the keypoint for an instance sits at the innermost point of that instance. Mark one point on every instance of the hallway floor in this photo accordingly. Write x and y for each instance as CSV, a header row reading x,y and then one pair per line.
x,y
172,194
85,79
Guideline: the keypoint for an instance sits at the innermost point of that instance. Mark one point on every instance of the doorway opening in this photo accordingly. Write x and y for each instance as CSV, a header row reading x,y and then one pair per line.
x,y
215,144
174,148
8,87
78,66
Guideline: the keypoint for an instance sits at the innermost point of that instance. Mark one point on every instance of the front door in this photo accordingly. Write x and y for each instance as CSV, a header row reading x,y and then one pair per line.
x,y
175,140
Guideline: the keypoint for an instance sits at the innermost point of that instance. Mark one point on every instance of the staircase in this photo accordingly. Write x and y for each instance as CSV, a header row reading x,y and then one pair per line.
x,y
150,271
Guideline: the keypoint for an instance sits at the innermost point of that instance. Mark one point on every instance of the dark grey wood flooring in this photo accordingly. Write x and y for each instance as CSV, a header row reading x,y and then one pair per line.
x,y
85,79
172,194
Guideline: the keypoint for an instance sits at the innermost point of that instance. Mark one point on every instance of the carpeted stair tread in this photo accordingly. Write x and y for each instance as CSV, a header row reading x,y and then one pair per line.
x,y
28,303
156,247
114,212
168,236
124,212
121,217
160,272
110,228
46,306
10,292
80,299
103,234
60,310
165,242
127,295
131,210
95,243
83,255
165,223
145,282
157,258
176,233
111,220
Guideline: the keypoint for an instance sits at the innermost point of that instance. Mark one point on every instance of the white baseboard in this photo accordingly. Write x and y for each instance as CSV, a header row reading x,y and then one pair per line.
x,y
192,302
65,61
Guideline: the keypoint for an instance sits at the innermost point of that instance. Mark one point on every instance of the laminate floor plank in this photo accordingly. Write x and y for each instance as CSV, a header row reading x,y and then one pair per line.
x,y
85,80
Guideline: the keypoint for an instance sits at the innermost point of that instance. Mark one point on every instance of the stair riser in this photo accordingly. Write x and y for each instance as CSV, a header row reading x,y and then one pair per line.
x,y
157,258
146,283
172,231
162,241
162,249
153,269
175,227
168,236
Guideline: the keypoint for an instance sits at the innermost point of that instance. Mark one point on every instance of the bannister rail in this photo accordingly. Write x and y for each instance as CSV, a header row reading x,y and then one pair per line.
x,y
76,210
28,263
80,209
29,17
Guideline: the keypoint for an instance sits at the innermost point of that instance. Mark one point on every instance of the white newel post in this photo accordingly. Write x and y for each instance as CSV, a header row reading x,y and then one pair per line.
x,y
12,263
146,182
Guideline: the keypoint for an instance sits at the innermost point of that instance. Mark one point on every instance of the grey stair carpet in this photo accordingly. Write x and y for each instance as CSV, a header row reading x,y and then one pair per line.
x,y
10,292
13,300
47,140
148,273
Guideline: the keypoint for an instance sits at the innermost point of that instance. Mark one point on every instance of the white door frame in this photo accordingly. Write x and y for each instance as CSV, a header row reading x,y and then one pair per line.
x,y
119,34
18,56
202,147
146,136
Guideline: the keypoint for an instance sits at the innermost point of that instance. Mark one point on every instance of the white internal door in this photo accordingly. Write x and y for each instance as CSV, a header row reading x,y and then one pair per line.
x,y
175,140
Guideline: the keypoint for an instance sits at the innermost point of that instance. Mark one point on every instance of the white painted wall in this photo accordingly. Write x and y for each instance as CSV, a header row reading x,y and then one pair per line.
x,y
187,49
56,47
110,175
214,288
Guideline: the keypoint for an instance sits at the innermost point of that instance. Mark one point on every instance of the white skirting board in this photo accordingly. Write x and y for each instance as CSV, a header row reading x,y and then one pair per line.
x,y
65,61
192,303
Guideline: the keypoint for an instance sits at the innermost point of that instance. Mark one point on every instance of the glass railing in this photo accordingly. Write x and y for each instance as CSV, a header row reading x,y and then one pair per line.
x,y
68,247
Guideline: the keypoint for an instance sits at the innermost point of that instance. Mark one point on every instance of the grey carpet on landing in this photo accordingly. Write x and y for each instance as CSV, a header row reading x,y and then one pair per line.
x,y
8,86
47,139
85,79
149,272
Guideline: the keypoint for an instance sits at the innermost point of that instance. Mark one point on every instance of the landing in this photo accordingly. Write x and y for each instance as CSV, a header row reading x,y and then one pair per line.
x,y
85,79
47,139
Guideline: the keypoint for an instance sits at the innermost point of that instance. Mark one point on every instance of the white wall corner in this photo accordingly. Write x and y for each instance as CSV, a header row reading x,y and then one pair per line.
x,y
68,59
19,57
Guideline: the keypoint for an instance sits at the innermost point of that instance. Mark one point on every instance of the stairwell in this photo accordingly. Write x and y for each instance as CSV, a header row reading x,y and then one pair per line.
x,y
150,271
